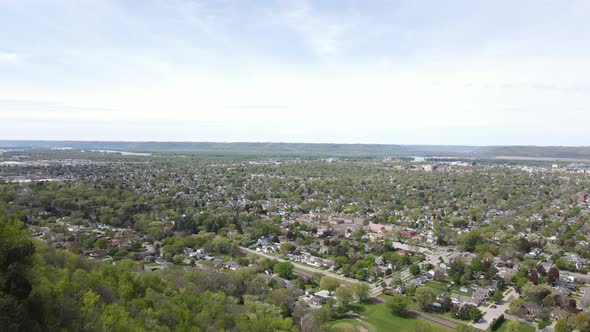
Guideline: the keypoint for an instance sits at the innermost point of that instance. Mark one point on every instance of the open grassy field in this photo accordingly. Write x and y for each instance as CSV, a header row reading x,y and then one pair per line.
x,y
377,317
523,327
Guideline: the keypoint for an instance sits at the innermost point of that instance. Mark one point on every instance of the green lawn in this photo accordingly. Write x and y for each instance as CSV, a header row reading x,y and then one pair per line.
x,y
450,316
523,327
439,287
376,318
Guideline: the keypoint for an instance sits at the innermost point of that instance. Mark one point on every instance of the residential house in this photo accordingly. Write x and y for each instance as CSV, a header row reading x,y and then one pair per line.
x,y
532,308
563,291
231,265
580,197
320,297
461,300
576,259
378,228
149,258
556,313
421,280
263,242
481,294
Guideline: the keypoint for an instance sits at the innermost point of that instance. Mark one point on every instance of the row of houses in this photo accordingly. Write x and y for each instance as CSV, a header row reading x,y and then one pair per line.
x,y
476,298
307,258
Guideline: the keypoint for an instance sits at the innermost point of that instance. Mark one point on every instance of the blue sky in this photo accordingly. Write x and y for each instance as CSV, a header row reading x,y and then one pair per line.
x,y
400,72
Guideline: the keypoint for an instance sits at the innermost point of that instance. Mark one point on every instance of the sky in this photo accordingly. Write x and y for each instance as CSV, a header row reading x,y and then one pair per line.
x,y
472,72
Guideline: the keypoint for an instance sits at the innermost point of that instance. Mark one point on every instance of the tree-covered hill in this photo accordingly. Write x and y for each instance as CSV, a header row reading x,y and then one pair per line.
x,y
43,289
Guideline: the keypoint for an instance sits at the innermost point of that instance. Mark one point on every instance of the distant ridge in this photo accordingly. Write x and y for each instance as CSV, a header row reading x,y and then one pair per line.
x,y
573,152
316,149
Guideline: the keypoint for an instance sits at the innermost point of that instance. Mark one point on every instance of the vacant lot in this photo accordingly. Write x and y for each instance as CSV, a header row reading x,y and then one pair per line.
x,y
377,317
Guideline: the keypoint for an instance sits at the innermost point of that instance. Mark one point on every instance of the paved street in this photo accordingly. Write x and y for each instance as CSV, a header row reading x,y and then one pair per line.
x,y
585,300
375,289
304,268
579,276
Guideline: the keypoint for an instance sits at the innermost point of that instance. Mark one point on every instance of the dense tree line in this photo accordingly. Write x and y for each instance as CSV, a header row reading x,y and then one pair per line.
x,y
44,289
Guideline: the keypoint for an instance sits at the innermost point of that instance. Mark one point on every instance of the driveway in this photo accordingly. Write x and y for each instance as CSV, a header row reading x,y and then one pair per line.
x,y
492,313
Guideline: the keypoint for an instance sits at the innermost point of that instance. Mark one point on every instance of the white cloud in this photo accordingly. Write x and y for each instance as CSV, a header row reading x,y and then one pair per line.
x,y
325,35
207,72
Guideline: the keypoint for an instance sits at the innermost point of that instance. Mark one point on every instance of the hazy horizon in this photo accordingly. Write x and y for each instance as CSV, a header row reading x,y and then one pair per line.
x,y
343,72
287,142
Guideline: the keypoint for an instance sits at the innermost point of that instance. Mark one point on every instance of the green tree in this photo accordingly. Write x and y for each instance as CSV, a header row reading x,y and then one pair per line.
x,y
15,250
15,245
345,296
497,296
341,260
115,318
284,269
475,314
398,304
411,290
424,297
287,247
268,264
415,269
561,325
548,301
90,314
464,311
361,290
283,298
329,284
101,244
582,322
469,241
